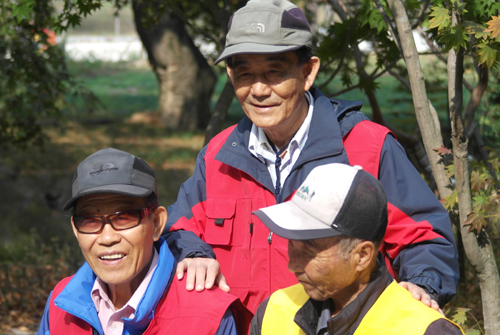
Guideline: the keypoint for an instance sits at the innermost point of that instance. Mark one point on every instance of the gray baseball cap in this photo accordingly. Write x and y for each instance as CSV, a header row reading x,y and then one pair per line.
x,y
334,199
112,171
266,27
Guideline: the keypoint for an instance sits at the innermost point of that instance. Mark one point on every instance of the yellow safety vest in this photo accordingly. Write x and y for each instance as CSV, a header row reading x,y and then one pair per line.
x,y
394,312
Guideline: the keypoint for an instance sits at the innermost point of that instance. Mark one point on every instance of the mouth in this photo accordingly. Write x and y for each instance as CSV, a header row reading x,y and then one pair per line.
x,y
112,257
263,106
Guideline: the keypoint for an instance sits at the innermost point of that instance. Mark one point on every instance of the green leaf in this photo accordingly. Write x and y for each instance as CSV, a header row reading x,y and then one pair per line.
x,y
441,17
460,315
412,5
23,10
459,6
346,79
472,332
74,20
454,38
476,29
450,201
486,54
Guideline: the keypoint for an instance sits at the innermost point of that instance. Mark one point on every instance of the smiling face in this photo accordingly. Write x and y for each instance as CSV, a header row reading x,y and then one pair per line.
x,y
119,258
318,266
270,89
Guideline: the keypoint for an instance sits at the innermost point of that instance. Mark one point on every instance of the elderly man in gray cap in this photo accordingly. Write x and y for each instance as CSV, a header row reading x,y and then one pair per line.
x,y
125,285
289,129
335,224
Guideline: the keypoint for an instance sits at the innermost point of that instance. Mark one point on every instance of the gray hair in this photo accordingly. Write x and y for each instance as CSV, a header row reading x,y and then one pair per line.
x,y
346,244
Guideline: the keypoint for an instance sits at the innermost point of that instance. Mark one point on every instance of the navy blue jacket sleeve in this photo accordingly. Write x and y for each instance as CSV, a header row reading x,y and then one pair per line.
x,y
191,195
227,325
419,241
44,324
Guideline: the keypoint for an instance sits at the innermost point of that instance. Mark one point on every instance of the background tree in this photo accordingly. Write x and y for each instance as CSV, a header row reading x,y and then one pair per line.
x,y
34,80
186,80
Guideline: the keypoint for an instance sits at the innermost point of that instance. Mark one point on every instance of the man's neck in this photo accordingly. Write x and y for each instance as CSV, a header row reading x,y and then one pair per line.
x,y
121,294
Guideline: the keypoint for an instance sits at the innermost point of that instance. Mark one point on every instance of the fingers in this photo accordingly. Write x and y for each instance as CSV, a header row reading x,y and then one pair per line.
x,y
419,294
181,268
202,273
191,274
213,272
221,281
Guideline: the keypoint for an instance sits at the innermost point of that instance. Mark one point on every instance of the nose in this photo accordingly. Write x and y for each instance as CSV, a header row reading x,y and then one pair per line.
x,y
108,235
294,260
260,88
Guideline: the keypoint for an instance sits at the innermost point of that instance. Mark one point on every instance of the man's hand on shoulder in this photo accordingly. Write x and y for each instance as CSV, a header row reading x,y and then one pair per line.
x,y
419,293
205,272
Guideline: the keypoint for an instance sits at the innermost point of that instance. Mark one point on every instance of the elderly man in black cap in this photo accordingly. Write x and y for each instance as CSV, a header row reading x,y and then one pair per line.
x,y
334,225
289,129
125,285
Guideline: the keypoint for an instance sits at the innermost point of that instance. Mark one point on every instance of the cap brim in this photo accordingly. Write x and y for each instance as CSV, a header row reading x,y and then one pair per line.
x,y
128,190
289,221
254,48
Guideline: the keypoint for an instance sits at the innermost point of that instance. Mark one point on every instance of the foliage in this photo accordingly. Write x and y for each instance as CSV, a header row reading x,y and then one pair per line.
x,y
460,319
471,33
34,79
485,185
26,278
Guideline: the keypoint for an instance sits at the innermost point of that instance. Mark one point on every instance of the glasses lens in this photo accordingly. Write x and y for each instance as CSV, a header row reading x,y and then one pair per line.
x,y
125,220
88,224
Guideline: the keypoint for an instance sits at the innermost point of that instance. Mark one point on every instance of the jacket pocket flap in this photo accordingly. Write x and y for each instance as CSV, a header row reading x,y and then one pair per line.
x,y
219,224
220,208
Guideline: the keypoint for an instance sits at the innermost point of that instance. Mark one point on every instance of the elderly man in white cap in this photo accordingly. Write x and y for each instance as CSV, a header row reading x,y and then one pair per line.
x,y
334,225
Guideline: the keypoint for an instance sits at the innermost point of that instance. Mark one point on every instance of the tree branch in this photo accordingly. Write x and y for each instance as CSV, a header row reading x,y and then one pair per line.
x,y
475,98
388,22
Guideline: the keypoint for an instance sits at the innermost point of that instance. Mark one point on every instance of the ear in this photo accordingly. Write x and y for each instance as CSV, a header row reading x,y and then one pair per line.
x,y
310,69
159,220
74,229
364,254
230,73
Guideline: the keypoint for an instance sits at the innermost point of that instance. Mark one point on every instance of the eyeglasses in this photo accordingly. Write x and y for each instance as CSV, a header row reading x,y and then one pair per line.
x,y
94,224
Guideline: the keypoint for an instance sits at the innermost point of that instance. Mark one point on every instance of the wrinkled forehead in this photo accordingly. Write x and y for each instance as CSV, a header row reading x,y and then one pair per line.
x,y
106,203
288,58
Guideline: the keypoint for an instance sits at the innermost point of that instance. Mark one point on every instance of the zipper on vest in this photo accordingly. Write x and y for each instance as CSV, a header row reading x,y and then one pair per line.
x,y
269,238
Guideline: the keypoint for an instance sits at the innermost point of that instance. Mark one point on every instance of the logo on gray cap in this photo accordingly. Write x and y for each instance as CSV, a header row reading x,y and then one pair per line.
x,y
254,27
102,169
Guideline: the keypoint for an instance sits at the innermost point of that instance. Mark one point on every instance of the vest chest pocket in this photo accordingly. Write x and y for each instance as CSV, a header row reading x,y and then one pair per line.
x,y
220,218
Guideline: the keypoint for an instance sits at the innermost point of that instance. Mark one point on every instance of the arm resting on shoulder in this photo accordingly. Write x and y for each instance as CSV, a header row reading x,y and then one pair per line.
x,y
419,239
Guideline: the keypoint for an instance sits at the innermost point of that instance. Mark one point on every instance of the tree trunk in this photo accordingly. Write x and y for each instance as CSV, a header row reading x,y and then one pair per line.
x,y
220,111
426,117
477,245
185,79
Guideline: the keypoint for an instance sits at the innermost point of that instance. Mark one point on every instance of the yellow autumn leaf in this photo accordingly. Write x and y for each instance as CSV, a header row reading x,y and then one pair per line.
x,y
494,26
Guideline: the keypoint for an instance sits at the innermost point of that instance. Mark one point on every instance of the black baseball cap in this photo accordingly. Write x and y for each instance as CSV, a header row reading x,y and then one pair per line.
x,y
112,171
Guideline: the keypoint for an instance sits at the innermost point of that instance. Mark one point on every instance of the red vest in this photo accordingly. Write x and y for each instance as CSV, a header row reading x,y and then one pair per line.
x,y
255,264
178,312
